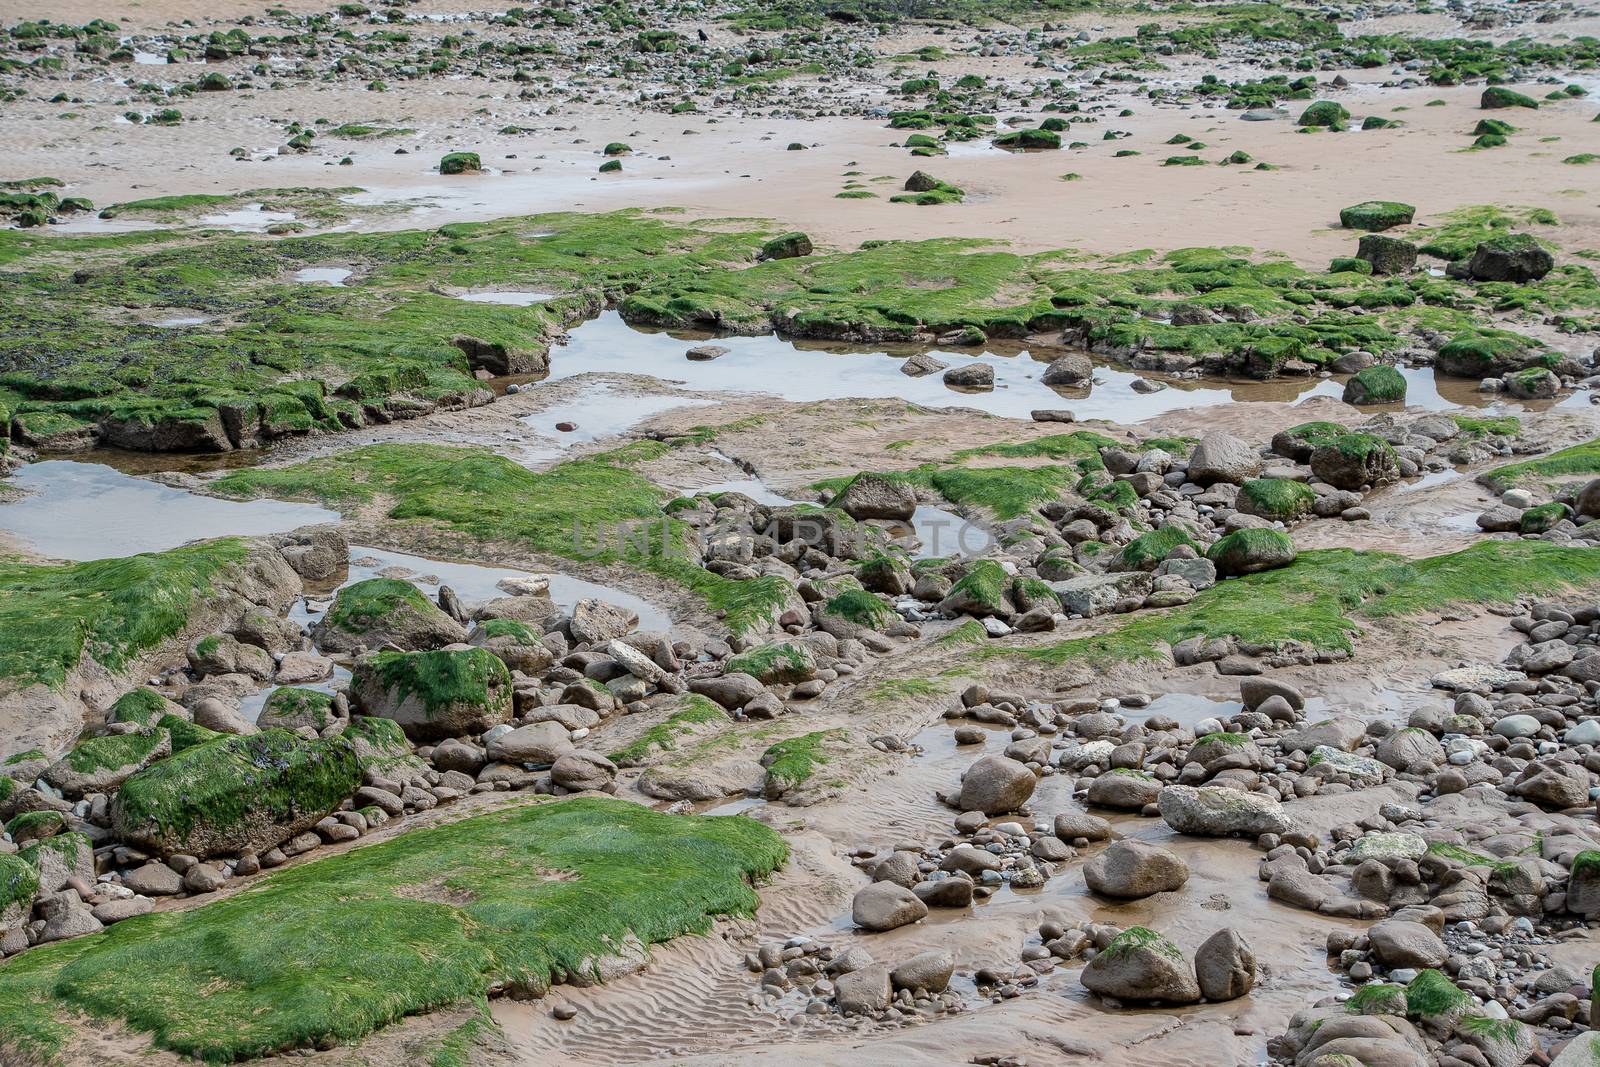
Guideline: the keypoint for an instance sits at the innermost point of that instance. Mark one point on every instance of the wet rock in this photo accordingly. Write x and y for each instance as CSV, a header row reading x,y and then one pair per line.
x,y
1399,943
955,892
381,612
1225,966
1212,810
886,906
996,785
1124,790
595,622
928,971
1071,369
1131,870
970,376
865,991
1139,966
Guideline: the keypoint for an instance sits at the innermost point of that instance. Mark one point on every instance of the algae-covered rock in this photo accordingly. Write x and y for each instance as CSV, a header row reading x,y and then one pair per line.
x,y
101,764
382,749
1512,257
383,611
1325,113
787,246
872,496
1277,499
19,883
1386,255
1355,461
434,695
1498,96
982,591
1376,215
460,163
1376,385
1140,965
1249,551
777,662
58,860
293,708
234,793
518,645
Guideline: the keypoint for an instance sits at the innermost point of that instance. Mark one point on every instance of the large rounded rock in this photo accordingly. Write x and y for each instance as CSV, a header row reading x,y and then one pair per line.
x,y
233,793
595,622
1071,369
434,695
1355,461
1250,551
1139,966
996,785
872,496
1131,870
385,611
101,764
539,743
1398,943
1225,966
1123,790
582,770
930,970
515,643
1222,457
886,906
1215,811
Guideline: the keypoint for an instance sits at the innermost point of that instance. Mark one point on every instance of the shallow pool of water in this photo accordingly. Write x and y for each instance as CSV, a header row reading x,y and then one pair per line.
x,y
813,371
508,298
81,511
475,582
322,276
250,218
604,410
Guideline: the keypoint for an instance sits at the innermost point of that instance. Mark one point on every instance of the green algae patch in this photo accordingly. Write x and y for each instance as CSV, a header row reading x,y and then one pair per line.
x,y
291,708
780,661
1149,549
142,706
1577,461
19,882
445,678
337,948
111,610
792,762
664,736
1327,596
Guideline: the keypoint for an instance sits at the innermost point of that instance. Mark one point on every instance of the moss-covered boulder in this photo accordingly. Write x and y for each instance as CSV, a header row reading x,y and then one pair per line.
x,y
31,826
1298,442
144,707
381,611
460,163
1387,255
1376,385
519,646
1376,215
382,748
1480,355
1533,383
875,496
1327,114
1498,96
1250,551
1148,550
234,793
434,695
779,662
1512,257
1355,461
1278,499
787,246
293,708
1029,140
101,764
984,590
850,611
1541,519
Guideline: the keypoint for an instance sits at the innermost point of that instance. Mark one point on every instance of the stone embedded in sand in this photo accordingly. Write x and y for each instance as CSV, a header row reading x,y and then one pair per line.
x,y
930,970
996,785
1124,790
1213,810
864,991
1132,870
1225,966
886,906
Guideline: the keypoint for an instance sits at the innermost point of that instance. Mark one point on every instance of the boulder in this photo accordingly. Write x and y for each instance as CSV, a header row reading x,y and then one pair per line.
x,y
539,743
1124,790
1251,550
1512,257
872,496
1400,943
996,785
385,611
233,793
1131,870
1222,457
1225,966
291,708
1216,811
886,906
1139,966
930,971
1355,461
1071,369
595,622
863,991
102,764
434,695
